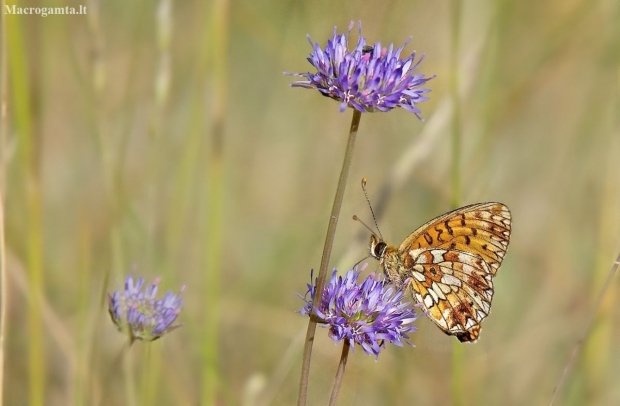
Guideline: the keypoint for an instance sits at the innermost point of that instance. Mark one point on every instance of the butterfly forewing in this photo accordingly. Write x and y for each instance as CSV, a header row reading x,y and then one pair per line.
x,y
482,229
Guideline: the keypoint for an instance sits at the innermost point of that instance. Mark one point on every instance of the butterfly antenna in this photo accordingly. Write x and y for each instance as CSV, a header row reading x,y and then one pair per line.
x,y
370,205
364,224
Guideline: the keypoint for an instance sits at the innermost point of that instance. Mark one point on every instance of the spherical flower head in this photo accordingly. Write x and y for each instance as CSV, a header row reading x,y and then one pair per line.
x,y
137,313
366,78
368,314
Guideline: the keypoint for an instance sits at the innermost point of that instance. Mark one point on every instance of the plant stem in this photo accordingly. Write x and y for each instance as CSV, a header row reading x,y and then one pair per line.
x,y
582,339
456,102
215,202
457,348
26,115
341,366
3,155
4,299
116,363
327,250
4,119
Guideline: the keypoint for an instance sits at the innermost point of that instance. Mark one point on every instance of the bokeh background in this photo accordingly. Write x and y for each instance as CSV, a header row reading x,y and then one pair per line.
x,y
164,135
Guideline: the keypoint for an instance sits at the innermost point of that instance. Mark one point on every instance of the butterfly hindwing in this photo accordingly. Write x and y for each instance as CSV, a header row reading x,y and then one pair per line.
x,y
454,287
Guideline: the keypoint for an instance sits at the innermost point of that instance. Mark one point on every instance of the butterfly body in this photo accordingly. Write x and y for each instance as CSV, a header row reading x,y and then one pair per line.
x,y
449,264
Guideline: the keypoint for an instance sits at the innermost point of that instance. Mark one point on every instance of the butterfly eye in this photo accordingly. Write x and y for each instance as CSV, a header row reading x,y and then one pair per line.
x,y
379,249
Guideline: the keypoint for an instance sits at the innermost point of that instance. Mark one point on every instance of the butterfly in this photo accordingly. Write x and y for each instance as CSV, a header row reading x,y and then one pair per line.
x,y
449,264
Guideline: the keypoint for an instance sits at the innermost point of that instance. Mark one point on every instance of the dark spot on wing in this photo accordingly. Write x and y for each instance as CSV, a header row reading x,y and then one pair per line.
x,y
477,283
450,231
408,261
439,235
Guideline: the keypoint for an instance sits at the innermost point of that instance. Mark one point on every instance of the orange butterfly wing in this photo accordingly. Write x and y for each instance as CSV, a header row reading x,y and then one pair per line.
x,y
452,260
455,287
482,229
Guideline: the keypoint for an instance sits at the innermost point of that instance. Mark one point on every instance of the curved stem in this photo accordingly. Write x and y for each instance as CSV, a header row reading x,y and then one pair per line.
x,y
338,379
327,250
582,339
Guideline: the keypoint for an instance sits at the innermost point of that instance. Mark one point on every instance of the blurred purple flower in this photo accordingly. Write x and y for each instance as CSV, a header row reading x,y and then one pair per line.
x,y
136,312
367,78
368,314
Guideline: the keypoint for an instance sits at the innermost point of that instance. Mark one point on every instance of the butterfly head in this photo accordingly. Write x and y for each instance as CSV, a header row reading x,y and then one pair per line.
x,y
377,247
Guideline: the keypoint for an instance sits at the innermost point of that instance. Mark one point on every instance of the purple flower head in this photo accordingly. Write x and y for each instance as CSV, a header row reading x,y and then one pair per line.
x,y
369,314
136,312
368,77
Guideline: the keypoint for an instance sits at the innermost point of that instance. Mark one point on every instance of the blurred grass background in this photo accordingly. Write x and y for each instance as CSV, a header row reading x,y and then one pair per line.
x,y
163,134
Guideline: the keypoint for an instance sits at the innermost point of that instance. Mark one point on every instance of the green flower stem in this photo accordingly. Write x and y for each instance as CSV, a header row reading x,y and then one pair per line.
x,y
213,226
147,380
4,97
586,331
327,250
458,358
456,104
4,120
338,379
113,370
212,282
3,306
26,123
